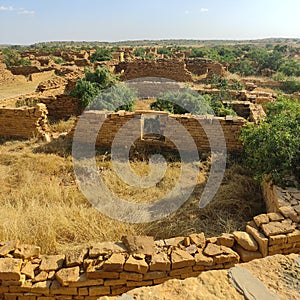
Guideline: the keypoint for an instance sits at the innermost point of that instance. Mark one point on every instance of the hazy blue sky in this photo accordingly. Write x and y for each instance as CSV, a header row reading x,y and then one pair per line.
x,y
30,21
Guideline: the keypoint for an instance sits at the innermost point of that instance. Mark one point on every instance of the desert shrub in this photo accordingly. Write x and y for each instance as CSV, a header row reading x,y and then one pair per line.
x,y
244,68
139,52
290,68
272,147
279,76
164,51
183,102
31,102
291,86
98,90
101,54
58,60
13,58
114,98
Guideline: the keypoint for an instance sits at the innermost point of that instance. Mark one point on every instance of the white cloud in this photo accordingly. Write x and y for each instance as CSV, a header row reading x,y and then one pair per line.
x,y
203,9
19,11
7,8
26,12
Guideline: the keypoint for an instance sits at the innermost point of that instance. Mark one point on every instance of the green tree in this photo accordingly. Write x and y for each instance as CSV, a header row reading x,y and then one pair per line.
x,y
272,147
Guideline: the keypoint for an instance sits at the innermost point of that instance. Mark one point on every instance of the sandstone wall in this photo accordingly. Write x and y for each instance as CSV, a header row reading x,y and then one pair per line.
x,y
24,70
41,76
113,122
201,66
61,107
276,197
24,122
6,76
113,268
164,68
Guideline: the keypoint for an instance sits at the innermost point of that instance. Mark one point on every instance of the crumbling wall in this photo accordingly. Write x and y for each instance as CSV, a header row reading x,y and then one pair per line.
x,y
24,122
24,70
163,68
59,107
202,66
113,122
6,76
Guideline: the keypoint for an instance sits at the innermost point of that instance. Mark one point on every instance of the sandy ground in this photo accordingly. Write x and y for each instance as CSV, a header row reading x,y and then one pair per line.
x,y
280,274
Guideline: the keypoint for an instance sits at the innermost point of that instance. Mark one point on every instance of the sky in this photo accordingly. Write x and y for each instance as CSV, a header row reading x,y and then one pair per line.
x,y
31,21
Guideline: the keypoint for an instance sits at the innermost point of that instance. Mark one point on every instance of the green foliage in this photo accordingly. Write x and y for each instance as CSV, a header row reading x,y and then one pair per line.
x,y
279,76
265,59
58,60
272,147
85,91
114,99
164,51
139,52
244,68
101,54
102,77
290,68
291,86
187,101
217,53
13,58
225,87
220,109
98,90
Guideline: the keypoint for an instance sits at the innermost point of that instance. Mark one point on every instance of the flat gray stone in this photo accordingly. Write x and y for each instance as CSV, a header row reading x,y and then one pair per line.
x,y
248,285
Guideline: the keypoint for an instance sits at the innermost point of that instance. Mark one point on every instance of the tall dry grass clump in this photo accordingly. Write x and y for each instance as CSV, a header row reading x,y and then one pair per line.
x,y
41,204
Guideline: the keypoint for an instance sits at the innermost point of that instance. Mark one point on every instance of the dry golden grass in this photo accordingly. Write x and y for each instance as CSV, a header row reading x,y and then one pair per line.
x,y
41,204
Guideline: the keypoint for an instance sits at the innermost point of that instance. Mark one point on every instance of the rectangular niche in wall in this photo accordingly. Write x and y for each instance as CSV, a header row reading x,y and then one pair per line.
x,y
152,127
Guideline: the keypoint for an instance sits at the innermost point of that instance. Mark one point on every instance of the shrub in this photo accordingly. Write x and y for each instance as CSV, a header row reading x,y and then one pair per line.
x,y
101,54
164,51
13,58
244,68
290,68
113,99
98,90
272,147
139,52
183,102
291,86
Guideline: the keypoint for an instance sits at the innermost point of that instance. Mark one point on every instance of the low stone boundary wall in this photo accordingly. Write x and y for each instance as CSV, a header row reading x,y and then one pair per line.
x,y
113,268
113,122
24,122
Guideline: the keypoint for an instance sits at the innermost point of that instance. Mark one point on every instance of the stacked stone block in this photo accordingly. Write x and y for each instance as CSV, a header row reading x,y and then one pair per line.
x,y
24,122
